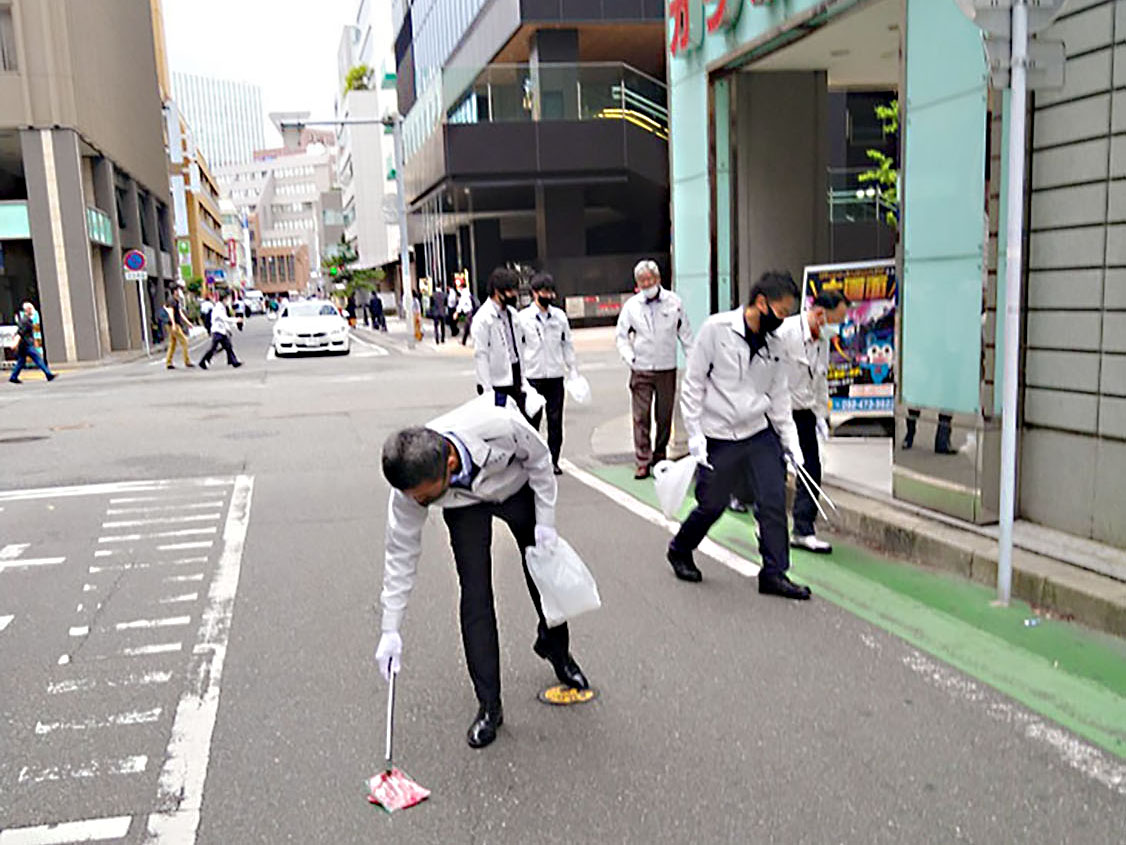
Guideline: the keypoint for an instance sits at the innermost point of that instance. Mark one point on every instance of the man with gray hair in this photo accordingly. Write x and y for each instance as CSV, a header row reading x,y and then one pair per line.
x,y
477,462
648,327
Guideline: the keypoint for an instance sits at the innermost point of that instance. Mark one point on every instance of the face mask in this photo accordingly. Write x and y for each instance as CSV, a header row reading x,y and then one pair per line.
x,y
768,322
545,300
509,299
653,292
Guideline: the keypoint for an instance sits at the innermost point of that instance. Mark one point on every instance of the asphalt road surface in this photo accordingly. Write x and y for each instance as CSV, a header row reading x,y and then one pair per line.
x,y
189,572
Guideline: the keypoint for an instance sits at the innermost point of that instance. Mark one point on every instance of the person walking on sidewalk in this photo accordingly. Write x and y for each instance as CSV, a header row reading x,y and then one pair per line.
x,y
466,308
805,339
736,406
548,352
26,348
496,354
179,329
378,318
452,298
438,314
477,462
221,325
648,328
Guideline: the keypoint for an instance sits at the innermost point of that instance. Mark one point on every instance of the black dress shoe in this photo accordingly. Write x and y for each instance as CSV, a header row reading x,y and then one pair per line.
x,y
557,470
641,473
484,728
566,669
780,585
684,567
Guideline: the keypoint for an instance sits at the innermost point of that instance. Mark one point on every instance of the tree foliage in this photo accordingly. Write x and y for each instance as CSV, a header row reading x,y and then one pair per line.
x,y
358,78
338,266
884,172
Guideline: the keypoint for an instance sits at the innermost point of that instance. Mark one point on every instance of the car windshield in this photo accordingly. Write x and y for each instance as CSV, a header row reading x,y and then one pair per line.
x,y
310,309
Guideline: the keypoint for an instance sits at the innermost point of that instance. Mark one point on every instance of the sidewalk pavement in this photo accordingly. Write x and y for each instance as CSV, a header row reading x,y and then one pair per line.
x,y
1056,573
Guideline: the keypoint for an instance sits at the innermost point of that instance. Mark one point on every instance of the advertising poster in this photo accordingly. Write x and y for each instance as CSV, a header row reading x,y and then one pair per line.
x,y
862,354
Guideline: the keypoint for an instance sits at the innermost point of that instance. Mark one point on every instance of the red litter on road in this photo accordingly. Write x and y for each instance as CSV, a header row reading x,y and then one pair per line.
x,y
392,789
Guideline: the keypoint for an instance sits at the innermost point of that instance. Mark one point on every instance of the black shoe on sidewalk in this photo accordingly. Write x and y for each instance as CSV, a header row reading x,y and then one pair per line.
x,y
484,728
566,669
237,364
203,365
780,585
555,469
684,566
51,377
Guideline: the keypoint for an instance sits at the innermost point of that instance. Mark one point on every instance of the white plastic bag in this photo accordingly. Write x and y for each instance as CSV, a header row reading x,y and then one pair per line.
x,y
672,478
533,401
579,389
566,586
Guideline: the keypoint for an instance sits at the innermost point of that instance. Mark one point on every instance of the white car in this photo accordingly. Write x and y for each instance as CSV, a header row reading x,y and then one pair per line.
x,y
311,326
255,301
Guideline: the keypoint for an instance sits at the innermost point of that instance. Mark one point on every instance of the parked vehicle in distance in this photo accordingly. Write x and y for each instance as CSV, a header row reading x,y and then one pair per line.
x,y
255,301
311,326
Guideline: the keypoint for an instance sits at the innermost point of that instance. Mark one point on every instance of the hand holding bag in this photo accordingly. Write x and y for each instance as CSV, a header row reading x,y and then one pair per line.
x,y
566,586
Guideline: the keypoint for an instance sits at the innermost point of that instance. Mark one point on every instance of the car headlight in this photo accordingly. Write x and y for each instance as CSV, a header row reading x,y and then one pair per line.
x,y
339,331
285,335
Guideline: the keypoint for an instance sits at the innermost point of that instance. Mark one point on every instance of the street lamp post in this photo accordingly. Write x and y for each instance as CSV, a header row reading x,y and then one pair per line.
x,y
291,135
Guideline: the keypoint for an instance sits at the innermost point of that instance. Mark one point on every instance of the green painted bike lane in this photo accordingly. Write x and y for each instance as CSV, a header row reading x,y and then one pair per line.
x,y
1072,676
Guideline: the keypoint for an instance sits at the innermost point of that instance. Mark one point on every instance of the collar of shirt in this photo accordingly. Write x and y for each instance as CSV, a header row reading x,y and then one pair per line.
x,y
464,477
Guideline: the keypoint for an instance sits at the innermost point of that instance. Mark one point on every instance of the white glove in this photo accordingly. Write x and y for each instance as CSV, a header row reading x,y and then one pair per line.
x,y
388,654
534,401
822,429
698,449
573,374
546,537
794,455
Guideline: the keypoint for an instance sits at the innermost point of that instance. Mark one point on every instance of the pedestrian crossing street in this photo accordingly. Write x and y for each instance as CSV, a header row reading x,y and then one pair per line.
x,y
114,618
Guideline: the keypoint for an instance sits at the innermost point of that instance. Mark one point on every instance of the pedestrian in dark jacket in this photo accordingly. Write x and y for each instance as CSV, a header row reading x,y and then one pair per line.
x,y
378,319
438,312
25,325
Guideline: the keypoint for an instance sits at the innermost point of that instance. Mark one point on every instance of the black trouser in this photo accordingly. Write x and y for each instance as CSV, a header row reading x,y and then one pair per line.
x,y
471,536
439,329
552,390
219,341
515,390
805,508
758,458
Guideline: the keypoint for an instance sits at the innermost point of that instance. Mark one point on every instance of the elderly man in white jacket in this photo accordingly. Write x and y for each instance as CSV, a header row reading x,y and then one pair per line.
x,y
805,338
648,328
477,462
735,400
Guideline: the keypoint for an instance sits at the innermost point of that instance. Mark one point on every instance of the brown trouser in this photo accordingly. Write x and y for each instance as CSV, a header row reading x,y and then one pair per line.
x,y
642,387
176,336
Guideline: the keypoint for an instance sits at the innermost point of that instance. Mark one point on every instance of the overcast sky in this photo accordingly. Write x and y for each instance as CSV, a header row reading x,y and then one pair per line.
x,y
288,47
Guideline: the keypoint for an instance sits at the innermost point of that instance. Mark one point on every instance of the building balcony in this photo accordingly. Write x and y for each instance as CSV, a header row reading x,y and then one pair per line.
x,y
564,119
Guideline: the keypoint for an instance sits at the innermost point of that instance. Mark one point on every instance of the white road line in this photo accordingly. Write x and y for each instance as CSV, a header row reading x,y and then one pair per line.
x,y
185,767
174,599
80,630
124,766
270,354
125,487
136,717
709,547
87,684
375,349
5,621
178,579
87,830
165,520
156,535
163,648
124,567
13,550
103,553
28,562
167,622
194,506
176,547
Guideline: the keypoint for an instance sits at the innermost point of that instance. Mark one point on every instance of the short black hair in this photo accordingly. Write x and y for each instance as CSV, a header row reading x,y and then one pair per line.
x,y
831,300
503,279
414,456
543,281
774,285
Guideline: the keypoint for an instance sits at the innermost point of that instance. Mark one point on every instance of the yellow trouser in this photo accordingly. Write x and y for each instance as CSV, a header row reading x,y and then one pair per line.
x,y
176,335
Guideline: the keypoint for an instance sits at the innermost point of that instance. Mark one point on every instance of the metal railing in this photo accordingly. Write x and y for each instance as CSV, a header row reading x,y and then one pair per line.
x,y
853,201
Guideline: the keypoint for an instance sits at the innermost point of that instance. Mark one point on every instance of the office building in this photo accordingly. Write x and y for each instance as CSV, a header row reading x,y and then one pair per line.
x,y
226,116
83,172
366,153
536,136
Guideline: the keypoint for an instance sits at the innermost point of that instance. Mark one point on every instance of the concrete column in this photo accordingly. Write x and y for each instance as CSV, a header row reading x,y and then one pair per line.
x,y
782,148
57,211
560,222
557,86
105,199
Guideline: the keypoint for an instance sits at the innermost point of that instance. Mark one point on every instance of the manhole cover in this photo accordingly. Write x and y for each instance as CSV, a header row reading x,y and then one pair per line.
x,y
25,438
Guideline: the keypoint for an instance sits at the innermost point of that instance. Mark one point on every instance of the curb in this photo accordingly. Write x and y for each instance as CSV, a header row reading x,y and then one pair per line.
x,y
1067,591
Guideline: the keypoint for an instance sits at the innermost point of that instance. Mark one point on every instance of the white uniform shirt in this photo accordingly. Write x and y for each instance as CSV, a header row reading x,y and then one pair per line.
x,y
808,365
648,329
545,342
726,395
507,453
221,321
495,349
